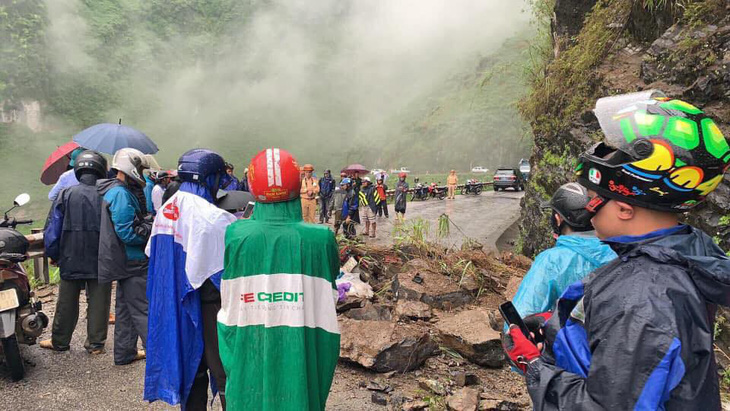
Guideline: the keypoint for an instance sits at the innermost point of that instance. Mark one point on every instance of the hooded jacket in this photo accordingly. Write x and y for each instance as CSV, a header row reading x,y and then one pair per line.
x,y
71,235
638,332
277,328
573,257
121,249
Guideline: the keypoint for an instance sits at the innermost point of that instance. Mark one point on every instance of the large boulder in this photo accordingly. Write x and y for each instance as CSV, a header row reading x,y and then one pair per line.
x,y
469,334
384,347
370,312
418,282
465,399
412,310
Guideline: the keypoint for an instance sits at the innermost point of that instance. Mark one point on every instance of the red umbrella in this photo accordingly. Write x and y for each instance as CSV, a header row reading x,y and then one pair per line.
x,y
57,163
355,168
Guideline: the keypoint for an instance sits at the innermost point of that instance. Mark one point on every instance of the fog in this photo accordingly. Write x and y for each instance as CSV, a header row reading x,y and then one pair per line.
x,y
326,79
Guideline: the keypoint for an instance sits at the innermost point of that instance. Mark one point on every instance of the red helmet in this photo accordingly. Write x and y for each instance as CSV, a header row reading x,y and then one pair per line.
x,y
273,176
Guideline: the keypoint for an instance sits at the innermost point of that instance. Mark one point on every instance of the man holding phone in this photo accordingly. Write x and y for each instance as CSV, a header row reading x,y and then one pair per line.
x,y
637,333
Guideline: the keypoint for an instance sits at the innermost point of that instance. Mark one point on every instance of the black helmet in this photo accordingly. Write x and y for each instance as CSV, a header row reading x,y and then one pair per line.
x,y
570,201
90,161
13,245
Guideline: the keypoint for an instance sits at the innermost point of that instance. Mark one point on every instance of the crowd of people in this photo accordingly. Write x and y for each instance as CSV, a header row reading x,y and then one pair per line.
x,y
621,311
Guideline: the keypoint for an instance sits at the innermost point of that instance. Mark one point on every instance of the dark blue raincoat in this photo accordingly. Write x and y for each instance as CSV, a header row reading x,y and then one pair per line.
x,y
638,332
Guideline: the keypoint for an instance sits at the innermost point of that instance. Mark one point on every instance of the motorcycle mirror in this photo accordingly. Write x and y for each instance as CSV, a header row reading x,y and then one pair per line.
x,y
21,200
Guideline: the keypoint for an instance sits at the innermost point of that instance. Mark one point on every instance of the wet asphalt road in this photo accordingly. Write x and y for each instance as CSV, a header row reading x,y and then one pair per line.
x,y
74,380
483,218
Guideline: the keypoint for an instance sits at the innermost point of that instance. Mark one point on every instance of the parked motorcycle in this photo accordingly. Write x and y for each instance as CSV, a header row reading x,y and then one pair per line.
x,y
21,318
420,192
472,186
434,191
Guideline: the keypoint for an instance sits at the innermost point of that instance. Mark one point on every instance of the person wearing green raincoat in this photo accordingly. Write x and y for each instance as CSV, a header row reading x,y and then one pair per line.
x,y
277,327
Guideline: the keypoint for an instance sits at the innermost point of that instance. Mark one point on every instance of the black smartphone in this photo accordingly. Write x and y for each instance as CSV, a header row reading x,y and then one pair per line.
x,y
511,316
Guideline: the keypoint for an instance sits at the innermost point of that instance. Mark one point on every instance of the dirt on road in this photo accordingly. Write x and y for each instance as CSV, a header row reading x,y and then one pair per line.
x,y
74,380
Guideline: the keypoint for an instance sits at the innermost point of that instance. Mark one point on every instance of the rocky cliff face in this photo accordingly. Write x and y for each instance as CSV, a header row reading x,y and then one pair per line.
x,y
26,112
623,47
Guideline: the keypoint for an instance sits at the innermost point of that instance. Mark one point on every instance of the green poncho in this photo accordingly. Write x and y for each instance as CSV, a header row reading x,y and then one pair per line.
x,y
277,328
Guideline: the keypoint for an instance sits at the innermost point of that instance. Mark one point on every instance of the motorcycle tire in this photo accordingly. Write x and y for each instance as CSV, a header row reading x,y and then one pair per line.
x,y
496,189
478,190
11,350
442,195
464,191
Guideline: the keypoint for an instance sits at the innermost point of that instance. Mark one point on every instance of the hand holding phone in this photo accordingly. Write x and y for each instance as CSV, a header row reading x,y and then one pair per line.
x,y
512,317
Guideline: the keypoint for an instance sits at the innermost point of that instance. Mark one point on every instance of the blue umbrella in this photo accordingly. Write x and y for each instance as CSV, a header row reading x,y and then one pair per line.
x,y
109,138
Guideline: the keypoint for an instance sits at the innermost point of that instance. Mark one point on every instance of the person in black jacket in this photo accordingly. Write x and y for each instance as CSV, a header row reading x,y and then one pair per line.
x,y
326,190
72,241
123,235
350,205
637,333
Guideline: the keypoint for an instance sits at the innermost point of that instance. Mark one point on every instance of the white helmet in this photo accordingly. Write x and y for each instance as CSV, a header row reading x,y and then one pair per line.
x,y
132,163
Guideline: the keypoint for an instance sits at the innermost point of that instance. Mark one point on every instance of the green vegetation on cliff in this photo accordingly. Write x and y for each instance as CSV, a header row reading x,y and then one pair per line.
x,y
614,52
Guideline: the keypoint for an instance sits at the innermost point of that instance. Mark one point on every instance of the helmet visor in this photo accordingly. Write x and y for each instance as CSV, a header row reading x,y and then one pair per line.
x,y
609,110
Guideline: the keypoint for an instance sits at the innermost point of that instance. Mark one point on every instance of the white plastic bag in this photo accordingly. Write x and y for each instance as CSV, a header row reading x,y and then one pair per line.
x,y
358,288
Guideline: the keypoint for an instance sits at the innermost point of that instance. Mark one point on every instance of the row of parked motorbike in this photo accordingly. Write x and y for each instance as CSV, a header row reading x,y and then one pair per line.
x,y
21,318
423,192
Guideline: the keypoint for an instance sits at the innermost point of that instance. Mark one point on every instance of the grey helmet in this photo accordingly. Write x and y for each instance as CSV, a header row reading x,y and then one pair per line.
x,y
132,163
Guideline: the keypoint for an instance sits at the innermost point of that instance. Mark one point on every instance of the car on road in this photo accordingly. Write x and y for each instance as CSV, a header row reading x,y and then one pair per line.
x,y
400,170
479,169
377,171
506,177
525,168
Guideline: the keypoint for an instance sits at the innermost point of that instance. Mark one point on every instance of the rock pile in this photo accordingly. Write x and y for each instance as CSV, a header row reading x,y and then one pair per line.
x,y
423,307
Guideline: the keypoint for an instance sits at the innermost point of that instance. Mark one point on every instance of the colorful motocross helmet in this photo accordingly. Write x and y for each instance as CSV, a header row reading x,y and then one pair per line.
x,y
657,152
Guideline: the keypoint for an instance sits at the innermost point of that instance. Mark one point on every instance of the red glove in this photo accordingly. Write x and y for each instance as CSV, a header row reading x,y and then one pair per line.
x,y
519,349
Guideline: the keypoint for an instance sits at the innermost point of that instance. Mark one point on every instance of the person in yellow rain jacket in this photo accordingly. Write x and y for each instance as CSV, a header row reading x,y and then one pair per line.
x,y
451,181
308,192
